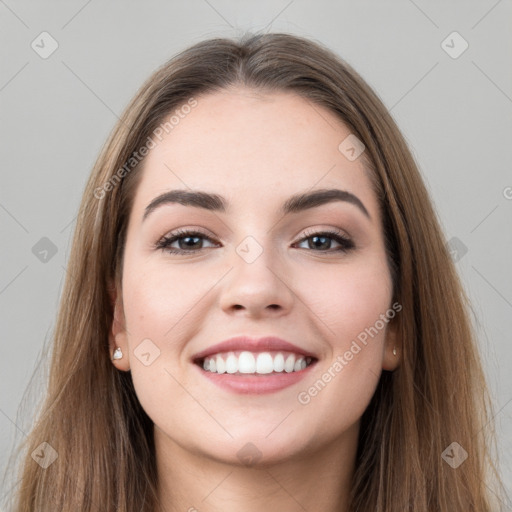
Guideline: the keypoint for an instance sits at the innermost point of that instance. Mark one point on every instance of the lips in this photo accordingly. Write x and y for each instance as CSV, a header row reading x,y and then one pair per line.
x,y
236,366
246,343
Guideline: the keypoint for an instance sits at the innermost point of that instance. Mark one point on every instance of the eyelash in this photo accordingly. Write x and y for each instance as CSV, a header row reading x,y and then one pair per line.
x,y
163,244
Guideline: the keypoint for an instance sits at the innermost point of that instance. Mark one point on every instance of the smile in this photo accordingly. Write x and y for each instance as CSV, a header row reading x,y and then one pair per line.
x,y
255,373
248,365
262,363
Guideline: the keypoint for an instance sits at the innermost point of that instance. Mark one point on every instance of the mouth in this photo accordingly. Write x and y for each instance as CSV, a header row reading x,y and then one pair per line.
x,y
254,365
243,363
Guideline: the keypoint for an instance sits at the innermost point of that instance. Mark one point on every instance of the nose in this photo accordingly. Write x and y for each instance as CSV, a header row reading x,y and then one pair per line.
x,y
257,288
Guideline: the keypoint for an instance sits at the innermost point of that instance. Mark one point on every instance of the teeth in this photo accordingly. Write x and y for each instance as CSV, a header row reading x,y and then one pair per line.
x,y
221,365
231,363
264,363
289,363
255,363
300,364
246,363
279,363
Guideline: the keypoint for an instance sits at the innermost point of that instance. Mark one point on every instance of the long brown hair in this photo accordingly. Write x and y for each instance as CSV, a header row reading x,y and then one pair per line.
x,y
438,395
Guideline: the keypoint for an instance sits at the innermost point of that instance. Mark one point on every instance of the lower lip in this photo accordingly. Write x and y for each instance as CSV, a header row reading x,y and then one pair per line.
x,y
255,384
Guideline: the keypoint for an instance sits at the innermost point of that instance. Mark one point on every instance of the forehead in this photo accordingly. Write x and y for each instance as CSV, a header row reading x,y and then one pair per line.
x,y
254,148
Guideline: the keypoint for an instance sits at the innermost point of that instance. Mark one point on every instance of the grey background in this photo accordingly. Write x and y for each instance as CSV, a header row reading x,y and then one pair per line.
x,y
456,114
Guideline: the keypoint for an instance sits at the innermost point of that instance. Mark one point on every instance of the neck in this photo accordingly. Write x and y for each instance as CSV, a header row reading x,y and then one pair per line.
x,y
318,480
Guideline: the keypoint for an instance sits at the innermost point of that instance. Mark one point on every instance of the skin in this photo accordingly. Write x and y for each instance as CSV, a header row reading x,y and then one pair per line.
x,y
256,150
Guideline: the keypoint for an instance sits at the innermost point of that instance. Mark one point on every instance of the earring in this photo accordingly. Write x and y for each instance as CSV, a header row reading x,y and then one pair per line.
x,y
118,353
394,351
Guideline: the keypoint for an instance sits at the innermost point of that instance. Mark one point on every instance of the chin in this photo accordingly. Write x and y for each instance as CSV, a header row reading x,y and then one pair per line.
x,y
254,450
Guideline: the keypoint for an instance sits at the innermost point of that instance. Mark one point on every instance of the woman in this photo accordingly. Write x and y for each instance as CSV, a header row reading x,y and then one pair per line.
x,y
260,312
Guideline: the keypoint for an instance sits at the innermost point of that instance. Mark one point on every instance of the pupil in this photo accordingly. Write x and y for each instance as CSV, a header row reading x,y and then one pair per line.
x,y
190,238
324,238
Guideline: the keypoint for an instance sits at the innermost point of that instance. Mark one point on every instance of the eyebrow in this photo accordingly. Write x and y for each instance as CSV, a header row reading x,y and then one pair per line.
x,y
294,204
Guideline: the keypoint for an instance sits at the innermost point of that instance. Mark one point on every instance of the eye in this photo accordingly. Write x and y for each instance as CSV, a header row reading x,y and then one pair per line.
x,y
323,240
188,242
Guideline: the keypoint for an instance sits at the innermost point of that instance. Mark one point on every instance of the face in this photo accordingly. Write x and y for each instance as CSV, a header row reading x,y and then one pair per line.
x,y
316,277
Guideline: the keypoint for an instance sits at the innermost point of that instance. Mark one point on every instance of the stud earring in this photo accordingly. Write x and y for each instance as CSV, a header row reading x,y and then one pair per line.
x,y
394,351
118,354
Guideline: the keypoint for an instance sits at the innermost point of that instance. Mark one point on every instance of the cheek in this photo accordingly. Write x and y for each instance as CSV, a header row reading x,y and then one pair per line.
x,y
355,308
158,297
162,303
348,299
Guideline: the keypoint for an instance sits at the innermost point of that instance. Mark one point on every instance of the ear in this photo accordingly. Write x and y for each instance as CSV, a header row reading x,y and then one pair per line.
x,y
391,361
118,336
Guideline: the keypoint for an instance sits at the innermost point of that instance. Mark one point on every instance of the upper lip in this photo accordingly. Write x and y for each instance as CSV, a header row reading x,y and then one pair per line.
x,y
252,345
